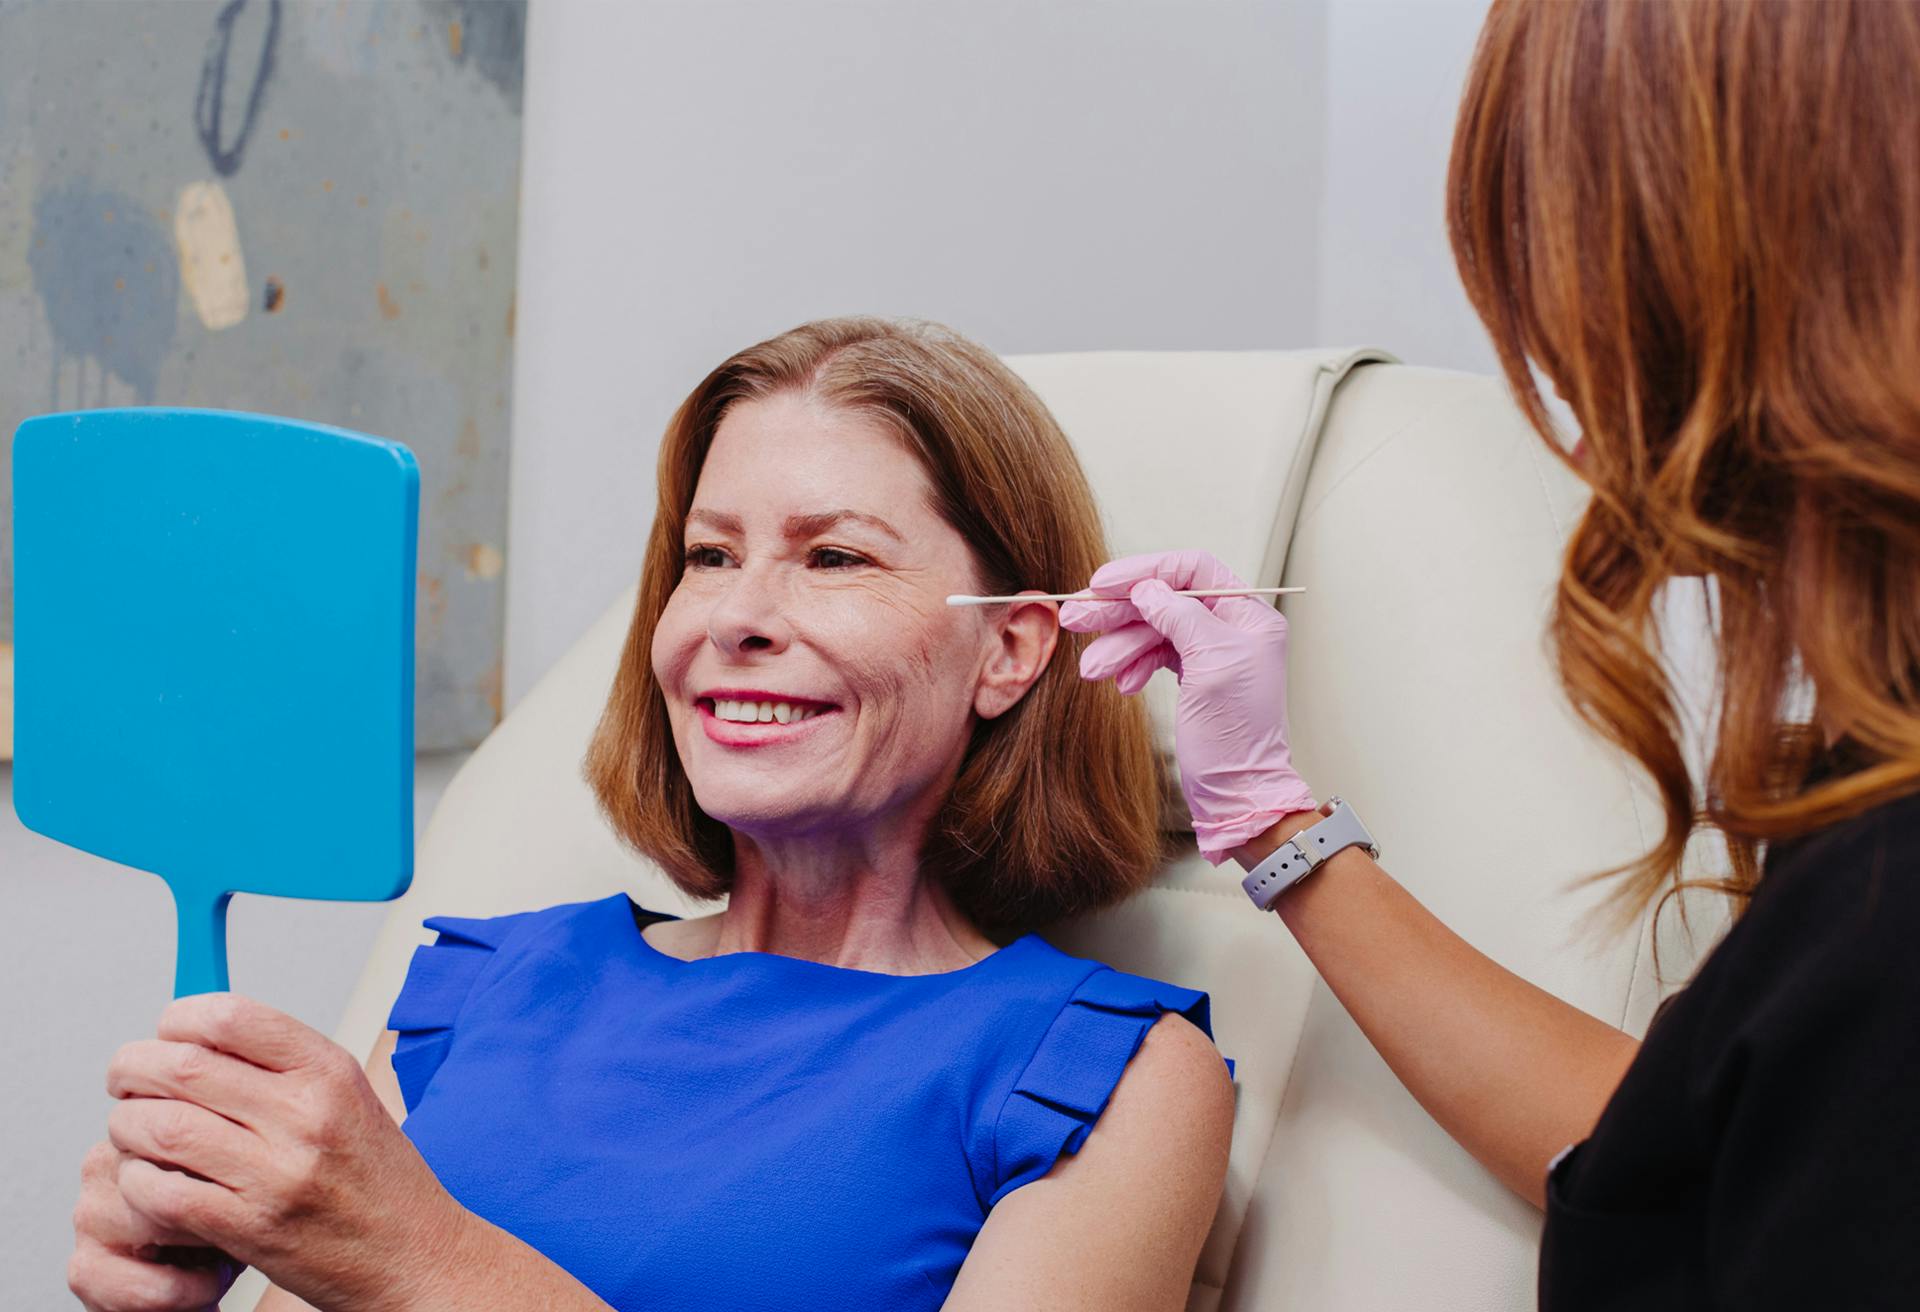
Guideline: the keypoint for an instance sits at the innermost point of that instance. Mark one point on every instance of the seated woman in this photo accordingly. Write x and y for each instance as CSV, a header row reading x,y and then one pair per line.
x,y
865,1083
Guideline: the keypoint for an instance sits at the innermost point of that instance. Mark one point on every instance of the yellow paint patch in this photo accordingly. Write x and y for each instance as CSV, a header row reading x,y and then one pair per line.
x,y
211,265
6,702
484,561
491,687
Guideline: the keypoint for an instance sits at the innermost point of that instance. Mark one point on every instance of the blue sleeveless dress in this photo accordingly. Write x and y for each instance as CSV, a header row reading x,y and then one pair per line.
x,y
750,1131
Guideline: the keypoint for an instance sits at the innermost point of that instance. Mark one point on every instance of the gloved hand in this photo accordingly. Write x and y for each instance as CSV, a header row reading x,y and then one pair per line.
x,y
1230,655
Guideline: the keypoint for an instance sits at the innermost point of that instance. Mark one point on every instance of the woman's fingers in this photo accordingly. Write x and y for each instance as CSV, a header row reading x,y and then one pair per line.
x,y
1166,626
1250,613
117,1263
1135,676
177,1201
1115,580
172,1133
1186,622
1097,616
252,1031
165,1068
1112,653
103,1216
1176,569
107,1281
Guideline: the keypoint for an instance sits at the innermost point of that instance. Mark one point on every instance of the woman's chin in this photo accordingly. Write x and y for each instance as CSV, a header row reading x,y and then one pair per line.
x,y
764,810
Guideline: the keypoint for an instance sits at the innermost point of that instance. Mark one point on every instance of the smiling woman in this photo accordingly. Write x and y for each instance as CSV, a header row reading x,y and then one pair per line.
x,y
865,1083
819,495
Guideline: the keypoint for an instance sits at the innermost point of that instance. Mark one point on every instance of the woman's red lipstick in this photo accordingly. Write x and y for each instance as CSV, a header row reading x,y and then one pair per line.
x,y
756,733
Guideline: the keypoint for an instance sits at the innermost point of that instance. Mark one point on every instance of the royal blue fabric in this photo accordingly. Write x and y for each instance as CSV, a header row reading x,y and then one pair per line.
x,y
750,1131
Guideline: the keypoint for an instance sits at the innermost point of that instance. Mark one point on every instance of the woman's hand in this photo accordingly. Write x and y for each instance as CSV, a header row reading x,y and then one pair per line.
x,y
123,1262
241,1129
1230,655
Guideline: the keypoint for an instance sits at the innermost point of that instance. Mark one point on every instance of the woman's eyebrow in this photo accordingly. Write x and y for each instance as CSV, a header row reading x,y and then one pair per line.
x,y
717,519
806,526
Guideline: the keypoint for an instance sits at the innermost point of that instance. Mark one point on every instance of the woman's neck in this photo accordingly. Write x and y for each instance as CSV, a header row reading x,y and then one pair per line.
x,y
860,905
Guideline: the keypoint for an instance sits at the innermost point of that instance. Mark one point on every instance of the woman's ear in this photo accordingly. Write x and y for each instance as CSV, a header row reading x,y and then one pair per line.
x,y
1023,639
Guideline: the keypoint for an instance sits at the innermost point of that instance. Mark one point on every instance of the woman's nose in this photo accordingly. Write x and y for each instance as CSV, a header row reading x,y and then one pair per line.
x,y
751,613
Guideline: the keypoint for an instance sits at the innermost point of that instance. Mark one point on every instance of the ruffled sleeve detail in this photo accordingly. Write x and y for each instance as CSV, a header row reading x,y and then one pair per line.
x,y
1066,1085
439,978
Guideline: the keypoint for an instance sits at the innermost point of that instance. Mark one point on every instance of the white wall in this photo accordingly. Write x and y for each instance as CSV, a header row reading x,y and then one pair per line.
x,y
1066,175
1394,73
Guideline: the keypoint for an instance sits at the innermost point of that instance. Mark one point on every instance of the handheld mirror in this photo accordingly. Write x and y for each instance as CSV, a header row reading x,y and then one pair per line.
x,y
213,650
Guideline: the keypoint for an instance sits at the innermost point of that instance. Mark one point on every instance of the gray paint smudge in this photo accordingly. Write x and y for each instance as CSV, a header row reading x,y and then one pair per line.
x,y
106,275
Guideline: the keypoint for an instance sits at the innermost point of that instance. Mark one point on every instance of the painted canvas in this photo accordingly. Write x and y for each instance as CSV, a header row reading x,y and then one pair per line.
x,y
306,208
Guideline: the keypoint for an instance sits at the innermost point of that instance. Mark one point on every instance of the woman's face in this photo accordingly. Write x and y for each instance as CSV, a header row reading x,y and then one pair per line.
x,y
816,576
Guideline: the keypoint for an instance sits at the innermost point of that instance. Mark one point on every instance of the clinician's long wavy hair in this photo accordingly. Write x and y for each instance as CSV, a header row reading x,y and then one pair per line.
x,y
1701,221
1061,804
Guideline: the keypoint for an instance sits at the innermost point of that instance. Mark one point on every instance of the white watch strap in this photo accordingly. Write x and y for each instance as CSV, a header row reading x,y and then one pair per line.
x,y
1298,857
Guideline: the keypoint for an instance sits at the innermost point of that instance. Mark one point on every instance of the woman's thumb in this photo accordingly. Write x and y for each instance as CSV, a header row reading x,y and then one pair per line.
x,y
1182,621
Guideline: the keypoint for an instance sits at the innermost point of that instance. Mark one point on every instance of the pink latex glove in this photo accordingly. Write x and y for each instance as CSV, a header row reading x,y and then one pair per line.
x,y
1230,655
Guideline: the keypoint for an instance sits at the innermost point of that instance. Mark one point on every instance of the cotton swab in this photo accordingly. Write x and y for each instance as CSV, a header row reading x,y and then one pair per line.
x,y
963,599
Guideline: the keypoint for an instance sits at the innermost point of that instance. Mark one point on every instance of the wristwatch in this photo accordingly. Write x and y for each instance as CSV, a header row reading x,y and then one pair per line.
x,y
1300,855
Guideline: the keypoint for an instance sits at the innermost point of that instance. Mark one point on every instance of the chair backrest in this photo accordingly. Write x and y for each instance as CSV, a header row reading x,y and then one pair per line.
x,y
1429,537
1419,511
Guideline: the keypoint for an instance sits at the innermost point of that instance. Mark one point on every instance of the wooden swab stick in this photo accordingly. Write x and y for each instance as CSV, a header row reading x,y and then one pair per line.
x,y
962,599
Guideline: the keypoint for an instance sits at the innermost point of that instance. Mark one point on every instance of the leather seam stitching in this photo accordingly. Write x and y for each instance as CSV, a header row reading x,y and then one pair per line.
x,y
1307,513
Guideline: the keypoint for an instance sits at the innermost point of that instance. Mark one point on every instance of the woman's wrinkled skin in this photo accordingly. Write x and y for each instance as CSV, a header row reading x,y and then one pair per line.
x,y
242,1136
829,827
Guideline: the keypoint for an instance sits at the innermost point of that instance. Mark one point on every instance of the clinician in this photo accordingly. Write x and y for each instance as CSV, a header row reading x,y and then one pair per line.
x,y
1701,222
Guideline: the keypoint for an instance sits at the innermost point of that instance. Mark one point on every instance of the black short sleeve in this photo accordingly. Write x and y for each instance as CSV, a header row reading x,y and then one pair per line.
x,y
1763,1150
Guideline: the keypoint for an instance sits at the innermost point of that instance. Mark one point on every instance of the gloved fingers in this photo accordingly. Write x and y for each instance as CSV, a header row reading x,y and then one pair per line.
x,y
1136,676
1179,570
1097,616
1186,622
1250,613
1112,653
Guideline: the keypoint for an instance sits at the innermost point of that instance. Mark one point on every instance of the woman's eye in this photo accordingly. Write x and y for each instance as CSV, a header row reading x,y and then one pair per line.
x,y
698,555
837,554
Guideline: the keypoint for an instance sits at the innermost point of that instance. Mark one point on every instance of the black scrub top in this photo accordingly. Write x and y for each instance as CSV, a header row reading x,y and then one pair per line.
x,y
1763,1149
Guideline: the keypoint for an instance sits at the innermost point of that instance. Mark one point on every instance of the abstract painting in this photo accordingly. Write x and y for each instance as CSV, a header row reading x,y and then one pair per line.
x,y
299,207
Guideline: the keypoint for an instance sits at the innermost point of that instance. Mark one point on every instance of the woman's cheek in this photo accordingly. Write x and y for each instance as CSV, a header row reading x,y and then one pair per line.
x,y
893,647
669,651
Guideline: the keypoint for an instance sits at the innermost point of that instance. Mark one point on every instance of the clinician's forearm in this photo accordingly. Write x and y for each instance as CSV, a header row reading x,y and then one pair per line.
x,y
1510,1071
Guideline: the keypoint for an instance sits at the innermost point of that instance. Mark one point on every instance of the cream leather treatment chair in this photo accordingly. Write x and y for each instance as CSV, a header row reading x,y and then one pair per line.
x,y
1426,522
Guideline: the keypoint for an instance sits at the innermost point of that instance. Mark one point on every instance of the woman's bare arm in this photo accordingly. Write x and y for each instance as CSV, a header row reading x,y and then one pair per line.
x,y
1118,1226
1510,1071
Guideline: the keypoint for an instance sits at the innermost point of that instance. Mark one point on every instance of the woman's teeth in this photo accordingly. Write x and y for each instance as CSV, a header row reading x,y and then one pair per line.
x,y
749,712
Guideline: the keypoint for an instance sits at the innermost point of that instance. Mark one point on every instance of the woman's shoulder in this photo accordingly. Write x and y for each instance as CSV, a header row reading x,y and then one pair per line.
x,y
468,956
1867,865
1106,1028
468,953
1823,942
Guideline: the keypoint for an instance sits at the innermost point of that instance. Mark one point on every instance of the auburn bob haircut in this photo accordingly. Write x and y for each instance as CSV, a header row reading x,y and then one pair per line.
x,y
1059,804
